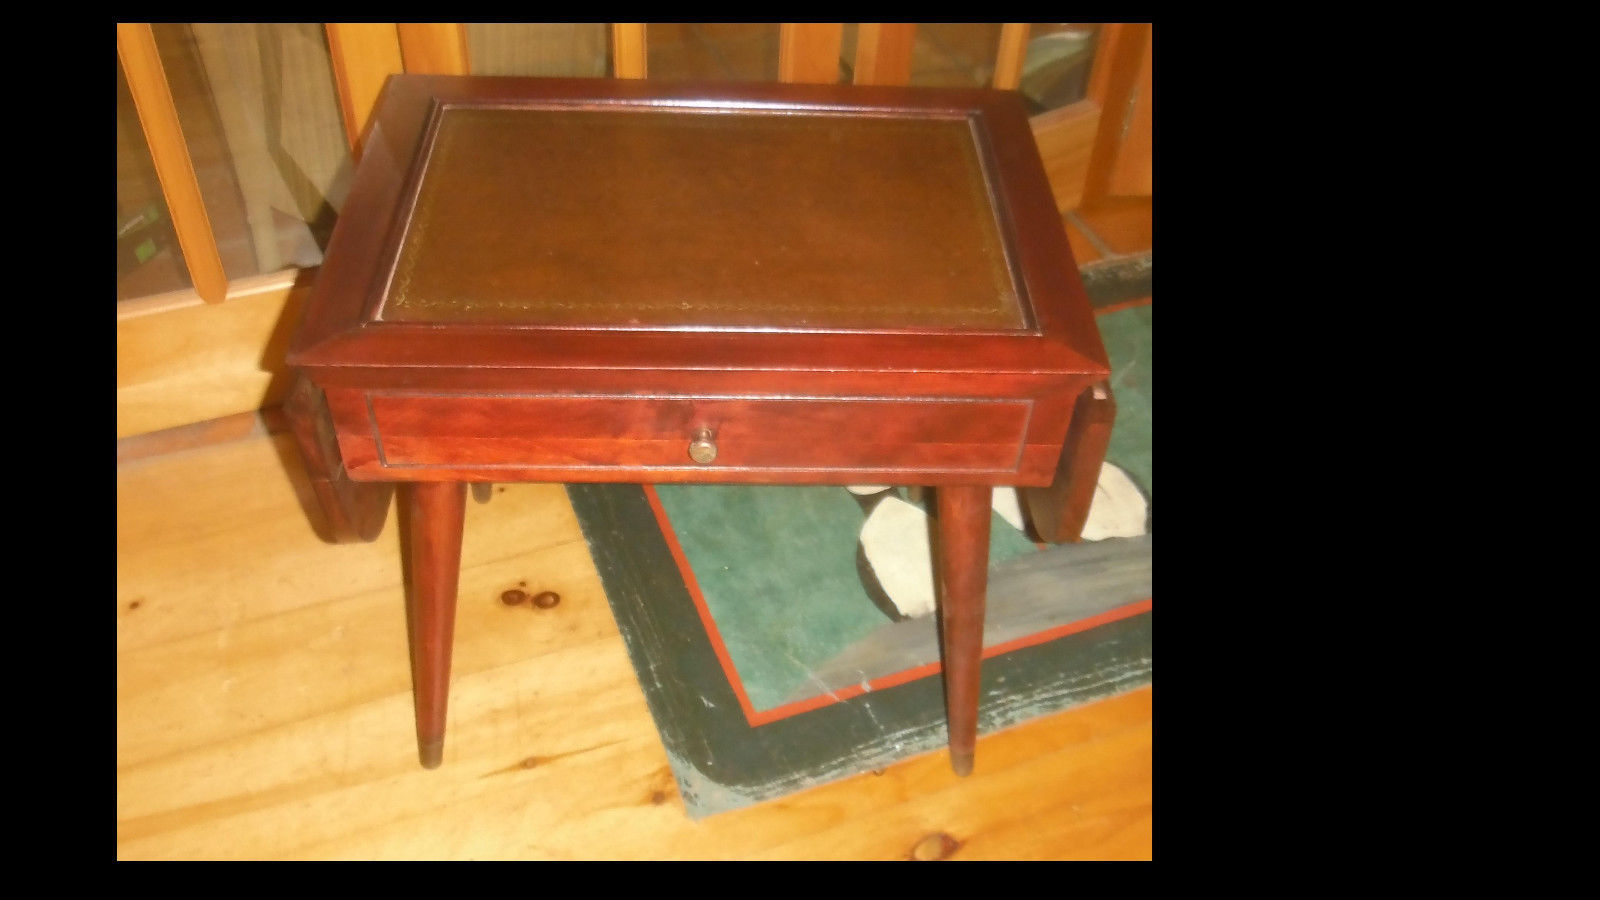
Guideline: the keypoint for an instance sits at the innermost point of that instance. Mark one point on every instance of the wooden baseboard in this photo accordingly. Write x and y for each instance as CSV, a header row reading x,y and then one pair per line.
x,y
181,363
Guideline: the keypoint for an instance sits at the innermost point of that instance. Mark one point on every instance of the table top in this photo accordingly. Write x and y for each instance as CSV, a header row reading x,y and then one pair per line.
x,y
650,217
498,225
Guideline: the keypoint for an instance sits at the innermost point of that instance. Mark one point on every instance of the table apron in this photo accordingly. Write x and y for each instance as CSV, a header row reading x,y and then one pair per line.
x,y
479,436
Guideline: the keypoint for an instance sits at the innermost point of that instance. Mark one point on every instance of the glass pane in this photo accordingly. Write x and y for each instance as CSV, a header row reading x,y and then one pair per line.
x,y
959,54
148,258
567,49
1055,71
746,51
261,118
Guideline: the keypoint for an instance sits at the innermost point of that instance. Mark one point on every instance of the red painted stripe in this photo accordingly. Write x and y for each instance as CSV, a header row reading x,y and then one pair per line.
x,y
1126,304
908,675
693,585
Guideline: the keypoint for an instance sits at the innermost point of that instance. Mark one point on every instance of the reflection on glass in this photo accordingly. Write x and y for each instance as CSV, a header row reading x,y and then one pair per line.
x,y
712,52
1055,70
959,54
148,258
261,119
559,49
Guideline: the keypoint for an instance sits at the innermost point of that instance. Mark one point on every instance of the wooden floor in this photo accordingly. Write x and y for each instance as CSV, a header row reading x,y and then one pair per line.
x,y
264,707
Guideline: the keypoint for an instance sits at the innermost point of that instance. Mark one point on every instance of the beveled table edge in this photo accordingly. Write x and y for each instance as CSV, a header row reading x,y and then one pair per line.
x,y
336,329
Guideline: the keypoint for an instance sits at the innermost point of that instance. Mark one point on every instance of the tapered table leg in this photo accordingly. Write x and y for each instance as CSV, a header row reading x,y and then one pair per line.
x,y
963,555
434,532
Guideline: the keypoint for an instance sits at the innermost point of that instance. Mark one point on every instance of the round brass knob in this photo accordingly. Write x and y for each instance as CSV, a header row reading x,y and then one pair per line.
x,y
702,449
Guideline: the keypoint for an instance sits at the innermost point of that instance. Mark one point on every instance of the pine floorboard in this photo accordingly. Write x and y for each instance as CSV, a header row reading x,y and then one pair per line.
x,y
264,707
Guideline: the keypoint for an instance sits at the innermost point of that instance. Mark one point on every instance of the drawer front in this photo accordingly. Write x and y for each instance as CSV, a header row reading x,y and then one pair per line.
x,y
567,432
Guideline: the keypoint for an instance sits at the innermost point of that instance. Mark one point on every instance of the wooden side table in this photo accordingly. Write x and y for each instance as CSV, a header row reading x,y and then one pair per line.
x,y
607,280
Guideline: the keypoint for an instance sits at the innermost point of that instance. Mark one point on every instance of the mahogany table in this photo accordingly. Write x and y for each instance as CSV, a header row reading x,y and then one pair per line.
x,y
570,280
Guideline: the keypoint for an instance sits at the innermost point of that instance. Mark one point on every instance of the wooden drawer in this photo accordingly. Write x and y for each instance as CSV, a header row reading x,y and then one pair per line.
x,y
566,432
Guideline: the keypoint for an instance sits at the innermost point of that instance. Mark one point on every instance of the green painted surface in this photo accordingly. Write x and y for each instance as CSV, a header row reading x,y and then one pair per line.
x,y
1127,338
777,567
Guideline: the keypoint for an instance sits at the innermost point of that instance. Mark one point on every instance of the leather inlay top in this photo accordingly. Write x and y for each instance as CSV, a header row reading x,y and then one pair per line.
x,y
686,217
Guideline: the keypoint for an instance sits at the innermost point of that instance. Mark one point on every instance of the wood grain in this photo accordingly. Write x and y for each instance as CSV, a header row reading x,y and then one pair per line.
x,y
433,539
1132,172
558,431
883,52
1059,511
808,52
434,48
158,117
1124,225
351,511
1066,138
962,558
1122,54
628,52
182,362
1010,55
364,55
264,708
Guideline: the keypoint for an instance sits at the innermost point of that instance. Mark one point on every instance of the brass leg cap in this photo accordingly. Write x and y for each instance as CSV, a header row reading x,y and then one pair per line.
x,y
962,763
432,753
